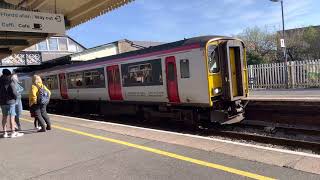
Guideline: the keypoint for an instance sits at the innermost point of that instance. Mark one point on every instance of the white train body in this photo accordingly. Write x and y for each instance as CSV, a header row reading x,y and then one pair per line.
x,y
163,76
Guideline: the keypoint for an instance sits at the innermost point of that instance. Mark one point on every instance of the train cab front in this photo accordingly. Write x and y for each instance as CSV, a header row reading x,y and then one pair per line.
x,y
227,79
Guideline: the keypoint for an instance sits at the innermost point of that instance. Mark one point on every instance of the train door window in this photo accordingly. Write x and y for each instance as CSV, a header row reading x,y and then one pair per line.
x,y
213,61
171,74
116,76
184,68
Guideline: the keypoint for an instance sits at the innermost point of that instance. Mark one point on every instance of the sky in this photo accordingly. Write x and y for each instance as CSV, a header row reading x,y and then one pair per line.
x,y
172,20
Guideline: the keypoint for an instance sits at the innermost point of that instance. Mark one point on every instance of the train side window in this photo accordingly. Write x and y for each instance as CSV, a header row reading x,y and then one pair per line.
x,y
79,80
94,78
184,68
51,82
144,73
88,79
75,80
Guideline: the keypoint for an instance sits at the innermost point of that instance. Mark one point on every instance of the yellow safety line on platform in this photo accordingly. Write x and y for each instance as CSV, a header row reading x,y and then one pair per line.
x,y
165,153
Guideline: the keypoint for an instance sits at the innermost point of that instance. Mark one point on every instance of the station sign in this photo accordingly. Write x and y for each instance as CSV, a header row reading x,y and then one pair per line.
x,y
282,44
29,21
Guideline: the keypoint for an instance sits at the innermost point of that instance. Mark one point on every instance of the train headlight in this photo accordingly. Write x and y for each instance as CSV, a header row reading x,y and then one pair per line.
x,y
217,91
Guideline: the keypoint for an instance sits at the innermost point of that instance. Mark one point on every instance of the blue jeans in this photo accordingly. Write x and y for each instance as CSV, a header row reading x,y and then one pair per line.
x,y
18,107
8,110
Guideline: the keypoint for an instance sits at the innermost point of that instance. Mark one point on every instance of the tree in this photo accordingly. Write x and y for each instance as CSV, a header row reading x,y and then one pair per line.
x,y
311,38
261,45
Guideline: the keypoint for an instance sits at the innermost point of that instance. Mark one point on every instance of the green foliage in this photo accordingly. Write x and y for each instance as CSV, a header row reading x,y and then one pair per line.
x,y
254,58
264,47
312,39
260,44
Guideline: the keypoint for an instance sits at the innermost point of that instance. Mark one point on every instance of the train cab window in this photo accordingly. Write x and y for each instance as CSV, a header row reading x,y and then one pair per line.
x,y
213,60
184,68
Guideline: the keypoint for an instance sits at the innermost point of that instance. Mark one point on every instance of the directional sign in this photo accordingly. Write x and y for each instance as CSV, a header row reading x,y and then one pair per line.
x,y
29,21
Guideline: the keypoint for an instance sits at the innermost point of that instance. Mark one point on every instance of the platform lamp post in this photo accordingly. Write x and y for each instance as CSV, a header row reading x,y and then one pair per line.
x,y
282,44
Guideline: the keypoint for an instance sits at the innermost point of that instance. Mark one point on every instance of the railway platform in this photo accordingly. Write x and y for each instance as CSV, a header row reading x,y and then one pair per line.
x,y
288,108
306,95
83,149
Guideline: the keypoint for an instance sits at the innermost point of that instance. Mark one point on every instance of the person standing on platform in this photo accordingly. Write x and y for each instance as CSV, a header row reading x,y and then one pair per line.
x,y
8,96
19,109
38,100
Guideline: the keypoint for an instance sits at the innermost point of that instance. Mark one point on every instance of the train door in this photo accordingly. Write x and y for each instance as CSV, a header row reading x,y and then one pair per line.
x,y
172,82
63,86
233,71
232,51
114,83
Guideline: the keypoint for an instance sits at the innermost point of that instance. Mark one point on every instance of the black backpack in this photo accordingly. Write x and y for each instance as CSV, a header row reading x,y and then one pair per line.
x,y
43,96
5,94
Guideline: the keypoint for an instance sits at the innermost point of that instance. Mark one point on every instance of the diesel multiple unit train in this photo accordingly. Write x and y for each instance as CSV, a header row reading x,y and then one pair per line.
x,y
194,80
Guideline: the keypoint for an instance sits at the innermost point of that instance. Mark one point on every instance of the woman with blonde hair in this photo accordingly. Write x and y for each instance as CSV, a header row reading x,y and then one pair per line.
x,y
38,100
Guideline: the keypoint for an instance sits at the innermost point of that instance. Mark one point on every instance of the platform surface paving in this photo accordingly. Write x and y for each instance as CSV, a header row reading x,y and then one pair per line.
x,y
72,151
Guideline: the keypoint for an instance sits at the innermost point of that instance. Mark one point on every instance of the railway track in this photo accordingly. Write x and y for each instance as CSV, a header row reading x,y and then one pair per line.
x,y
251,134
292,144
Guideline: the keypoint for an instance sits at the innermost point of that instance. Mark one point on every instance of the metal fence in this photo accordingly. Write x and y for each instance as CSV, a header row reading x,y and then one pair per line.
x,y
295,74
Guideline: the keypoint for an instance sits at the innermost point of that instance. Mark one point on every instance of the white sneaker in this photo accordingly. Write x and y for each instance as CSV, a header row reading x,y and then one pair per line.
x,y
39,128
5,135
16,134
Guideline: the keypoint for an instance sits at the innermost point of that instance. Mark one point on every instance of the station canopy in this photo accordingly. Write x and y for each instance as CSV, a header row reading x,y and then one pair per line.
x,y
24,23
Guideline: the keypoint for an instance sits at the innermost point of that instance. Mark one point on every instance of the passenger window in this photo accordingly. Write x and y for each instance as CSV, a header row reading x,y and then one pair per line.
x,y
94,78
75,80
87,79
144,73
51,82
184,68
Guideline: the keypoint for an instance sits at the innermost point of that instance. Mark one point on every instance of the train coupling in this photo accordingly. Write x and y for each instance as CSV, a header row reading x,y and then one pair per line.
x,y
233,114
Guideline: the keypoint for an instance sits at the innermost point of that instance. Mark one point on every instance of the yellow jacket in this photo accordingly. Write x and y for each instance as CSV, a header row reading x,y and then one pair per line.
x,y
33,95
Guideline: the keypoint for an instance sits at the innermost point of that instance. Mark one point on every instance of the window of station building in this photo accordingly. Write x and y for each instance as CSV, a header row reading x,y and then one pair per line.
x,y
51,82
53,44
145,73
94,78
63,44
43,46
75,80
79,48
32,48
184,68
72,46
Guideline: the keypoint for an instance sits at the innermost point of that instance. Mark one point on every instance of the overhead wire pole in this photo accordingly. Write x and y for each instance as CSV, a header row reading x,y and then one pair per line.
x,y
283,46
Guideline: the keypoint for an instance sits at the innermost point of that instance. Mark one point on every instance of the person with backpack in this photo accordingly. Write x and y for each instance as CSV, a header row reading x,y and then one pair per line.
x,y
39,98
18,106
8,96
